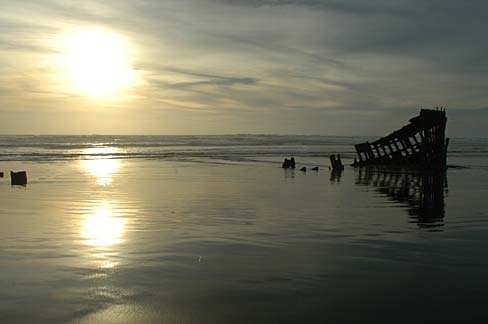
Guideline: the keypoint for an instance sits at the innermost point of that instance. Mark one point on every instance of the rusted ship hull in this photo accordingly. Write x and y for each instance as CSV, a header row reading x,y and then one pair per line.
x,y
421,144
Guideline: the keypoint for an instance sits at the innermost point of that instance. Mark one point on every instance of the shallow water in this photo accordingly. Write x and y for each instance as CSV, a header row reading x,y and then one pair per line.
x,y
221,240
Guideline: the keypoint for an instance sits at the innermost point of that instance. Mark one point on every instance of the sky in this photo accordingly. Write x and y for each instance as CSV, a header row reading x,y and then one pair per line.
x,y
326,67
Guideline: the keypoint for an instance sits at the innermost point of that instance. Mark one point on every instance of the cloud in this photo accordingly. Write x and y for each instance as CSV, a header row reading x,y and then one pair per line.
x,y
444,33
213,82
348,6
244,59
199,78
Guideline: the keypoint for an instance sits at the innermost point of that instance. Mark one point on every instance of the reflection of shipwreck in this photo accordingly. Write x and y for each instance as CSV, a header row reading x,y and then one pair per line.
x,y
421,144
421,192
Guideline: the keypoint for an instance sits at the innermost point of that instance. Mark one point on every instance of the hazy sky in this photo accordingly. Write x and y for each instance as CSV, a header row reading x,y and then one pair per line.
x,y
332,67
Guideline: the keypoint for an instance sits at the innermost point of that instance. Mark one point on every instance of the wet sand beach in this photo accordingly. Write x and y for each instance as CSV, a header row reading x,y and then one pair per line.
x,y
117,240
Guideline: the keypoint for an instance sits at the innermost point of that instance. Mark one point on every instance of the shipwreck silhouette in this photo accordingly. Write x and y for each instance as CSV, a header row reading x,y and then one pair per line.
x,y
421,144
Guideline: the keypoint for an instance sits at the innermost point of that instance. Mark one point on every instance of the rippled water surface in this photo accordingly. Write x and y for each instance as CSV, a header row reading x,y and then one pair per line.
x,y
101,235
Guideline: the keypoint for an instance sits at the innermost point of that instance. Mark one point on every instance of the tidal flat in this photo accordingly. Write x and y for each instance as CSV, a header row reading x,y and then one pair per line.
x,y
218,241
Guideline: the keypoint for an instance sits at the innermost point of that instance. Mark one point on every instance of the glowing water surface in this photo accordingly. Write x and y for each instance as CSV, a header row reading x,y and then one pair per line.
x,y
104,240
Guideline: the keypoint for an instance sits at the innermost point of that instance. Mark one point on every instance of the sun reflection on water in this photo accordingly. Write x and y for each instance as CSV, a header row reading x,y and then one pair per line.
x,y
103,225
103,167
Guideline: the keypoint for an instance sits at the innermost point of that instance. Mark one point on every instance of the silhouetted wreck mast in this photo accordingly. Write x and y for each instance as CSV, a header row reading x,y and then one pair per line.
x,y
420,144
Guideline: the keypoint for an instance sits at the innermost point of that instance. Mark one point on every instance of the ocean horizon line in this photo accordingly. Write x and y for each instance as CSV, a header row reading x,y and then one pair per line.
x,y
222,135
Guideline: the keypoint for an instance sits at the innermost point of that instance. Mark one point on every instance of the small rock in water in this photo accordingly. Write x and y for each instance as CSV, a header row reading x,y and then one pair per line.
x,y
292,163
315,168
336,163
288,164
304,169
18,178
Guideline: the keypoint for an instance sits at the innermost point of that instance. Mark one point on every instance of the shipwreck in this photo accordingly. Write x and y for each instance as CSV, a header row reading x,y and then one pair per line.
x,y
421,144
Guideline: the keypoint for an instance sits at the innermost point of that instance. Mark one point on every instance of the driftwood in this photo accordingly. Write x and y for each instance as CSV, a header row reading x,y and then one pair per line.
x,y
420,144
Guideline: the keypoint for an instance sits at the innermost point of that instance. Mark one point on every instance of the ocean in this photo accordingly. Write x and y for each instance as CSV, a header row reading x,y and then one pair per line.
x,y
233,147
211,229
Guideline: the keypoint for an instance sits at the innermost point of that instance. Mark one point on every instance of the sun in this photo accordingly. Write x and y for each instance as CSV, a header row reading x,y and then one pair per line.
x,y
98,62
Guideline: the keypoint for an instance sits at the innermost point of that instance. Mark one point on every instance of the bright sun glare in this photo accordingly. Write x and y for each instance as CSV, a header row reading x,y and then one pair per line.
x,y
102,167
98,62
104,225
